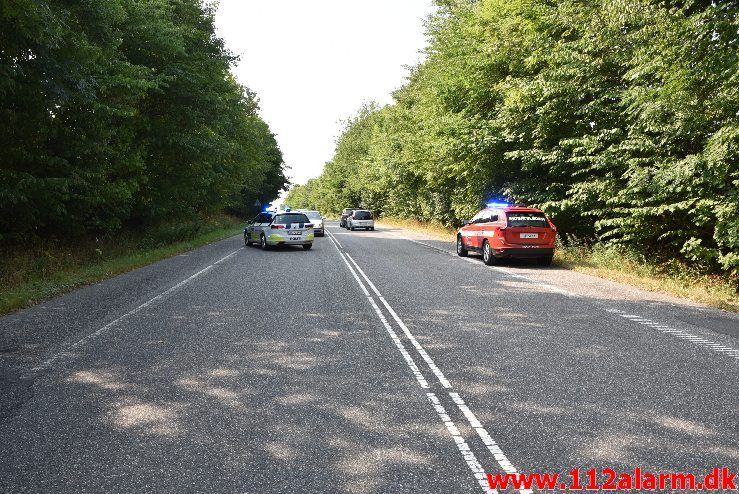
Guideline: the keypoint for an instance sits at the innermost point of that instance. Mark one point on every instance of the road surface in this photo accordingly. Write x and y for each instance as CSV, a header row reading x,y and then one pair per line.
x,y
376,362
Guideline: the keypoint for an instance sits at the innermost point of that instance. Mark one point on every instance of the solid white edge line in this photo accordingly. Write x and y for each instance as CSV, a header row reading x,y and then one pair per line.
x,y
48,363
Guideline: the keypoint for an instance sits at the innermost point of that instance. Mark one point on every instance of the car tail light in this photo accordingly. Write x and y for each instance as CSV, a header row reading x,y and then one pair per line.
x,y
278,227
309,225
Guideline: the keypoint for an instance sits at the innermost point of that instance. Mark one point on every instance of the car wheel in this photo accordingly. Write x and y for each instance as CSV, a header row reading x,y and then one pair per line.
x,y
351,228
461,251
544,261
372,229
487,254
263,242
247,240
307,246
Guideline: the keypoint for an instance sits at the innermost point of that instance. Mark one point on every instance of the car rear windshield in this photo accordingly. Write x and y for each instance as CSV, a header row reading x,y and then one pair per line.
x,y
289,219
526,218
362,215
314,215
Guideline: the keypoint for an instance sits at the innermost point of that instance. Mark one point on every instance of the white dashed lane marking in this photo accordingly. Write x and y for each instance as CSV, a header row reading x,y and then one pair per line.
x,y
505,272
684,335
679,333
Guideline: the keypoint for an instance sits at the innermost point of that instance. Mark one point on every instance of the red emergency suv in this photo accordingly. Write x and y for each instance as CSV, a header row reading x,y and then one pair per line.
x,y
501,231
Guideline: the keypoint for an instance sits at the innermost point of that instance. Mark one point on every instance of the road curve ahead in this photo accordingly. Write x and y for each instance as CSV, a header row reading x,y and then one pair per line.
x,y
375,362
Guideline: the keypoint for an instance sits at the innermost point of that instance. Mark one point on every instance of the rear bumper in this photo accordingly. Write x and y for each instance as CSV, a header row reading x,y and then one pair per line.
x,y
523,252
275,239
273,243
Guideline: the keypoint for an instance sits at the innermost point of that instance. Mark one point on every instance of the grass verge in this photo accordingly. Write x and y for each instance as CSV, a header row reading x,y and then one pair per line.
x,y
673,278
434,229
29,275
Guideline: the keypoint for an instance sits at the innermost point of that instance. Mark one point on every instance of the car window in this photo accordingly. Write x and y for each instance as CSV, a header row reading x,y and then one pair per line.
x,y
289,219
362,215
314,215
526,218
482,217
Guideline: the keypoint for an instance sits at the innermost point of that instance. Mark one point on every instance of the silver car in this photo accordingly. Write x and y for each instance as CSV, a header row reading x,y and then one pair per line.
x,y
360,218
317,220
282,228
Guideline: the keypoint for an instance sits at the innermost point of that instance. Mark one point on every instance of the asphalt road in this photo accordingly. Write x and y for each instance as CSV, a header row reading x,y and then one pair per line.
x,y
375,362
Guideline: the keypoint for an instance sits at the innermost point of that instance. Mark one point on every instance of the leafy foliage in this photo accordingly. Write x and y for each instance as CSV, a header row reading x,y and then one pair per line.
x,y
121,113
618,117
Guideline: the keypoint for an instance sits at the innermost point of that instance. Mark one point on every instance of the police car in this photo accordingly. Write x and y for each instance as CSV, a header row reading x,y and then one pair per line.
x,y
270,229
503,231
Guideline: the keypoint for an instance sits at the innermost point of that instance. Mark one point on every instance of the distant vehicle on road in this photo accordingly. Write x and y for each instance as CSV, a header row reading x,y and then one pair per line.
x,y
344,215
502,231
317,220
281,228
360,218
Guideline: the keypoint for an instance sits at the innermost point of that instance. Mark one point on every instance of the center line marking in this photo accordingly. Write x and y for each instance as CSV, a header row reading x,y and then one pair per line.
x,y
474,465
491,445
437,372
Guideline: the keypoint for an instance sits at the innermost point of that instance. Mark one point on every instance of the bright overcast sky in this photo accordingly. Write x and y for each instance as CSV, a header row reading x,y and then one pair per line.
x,y
313,63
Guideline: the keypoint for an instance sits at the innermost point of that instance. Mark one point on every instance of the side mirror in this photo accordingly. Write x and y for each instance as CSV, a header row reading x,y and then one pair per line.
x,y
466,222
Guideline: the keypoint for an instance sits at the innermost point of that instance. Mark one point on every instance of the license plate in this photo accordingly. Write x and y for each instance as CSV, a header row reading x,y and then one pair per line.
x,y
298,232
529,235
294,238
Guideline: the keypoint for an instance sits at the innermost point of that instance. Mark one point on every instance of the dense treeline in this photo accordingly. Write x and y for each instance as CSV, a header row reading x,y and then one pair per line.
x,y
618,117
123,113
